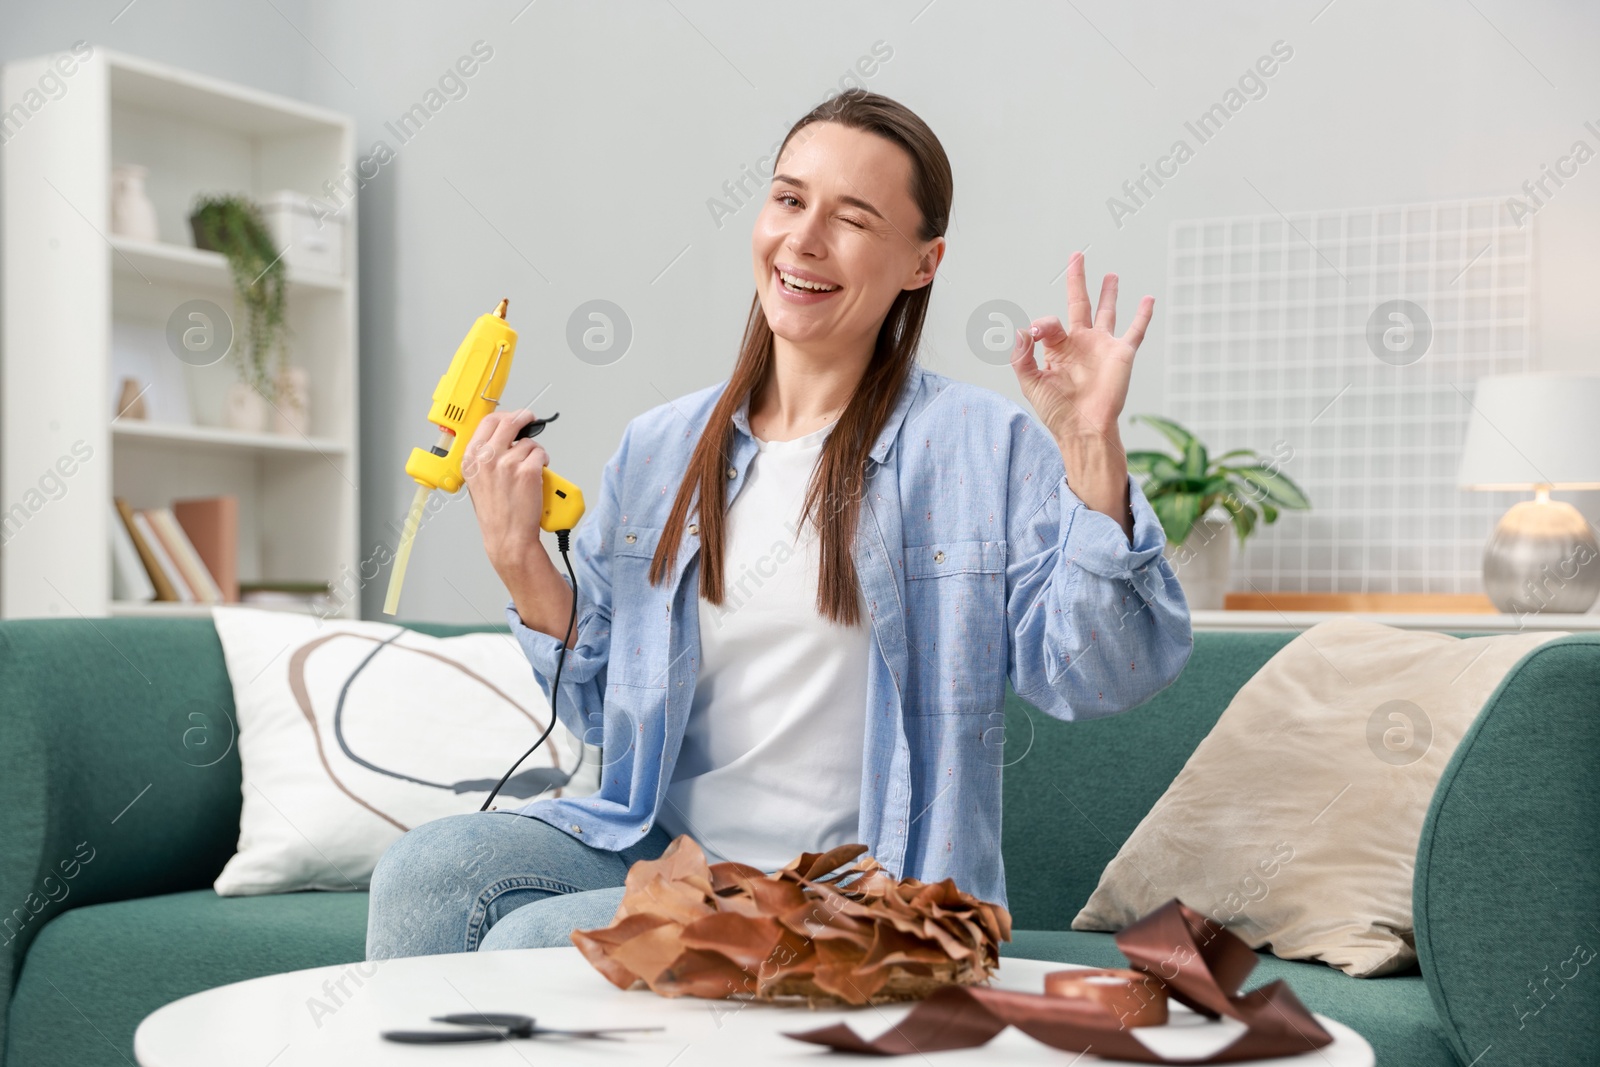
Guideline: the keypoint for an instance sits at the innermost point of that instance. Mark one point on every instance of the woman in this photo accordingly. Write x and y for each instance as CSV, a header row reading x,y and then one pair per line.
x,y
801,592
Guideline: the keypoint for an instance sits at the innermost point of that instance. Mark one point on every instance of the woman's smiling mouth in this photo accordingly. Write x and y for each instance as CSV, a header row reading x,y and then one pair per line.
x,y
803,287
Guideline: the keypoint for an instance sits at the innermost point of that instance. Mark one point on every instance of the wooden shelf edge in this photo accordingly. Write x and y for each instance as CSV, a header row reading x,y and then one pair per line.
x,y
180,610
221,436
1427,603
1469,622
157,608
180,263
206,85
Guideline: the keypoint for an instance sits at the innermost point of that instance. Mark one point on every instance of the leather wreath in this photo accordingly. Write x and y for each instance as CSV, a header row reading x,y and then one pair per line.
x,y
832,927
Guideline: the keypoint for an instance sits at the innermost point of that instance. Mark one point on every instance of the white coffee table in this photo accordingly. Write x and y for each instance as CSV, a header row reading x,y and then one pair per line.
x,y
302,1019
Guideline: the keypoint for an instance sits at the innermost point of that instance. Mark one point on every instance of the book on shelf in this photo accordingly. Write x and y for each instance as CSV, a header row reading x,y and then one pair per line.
x,y
164,562
182,551
129,579
307,586
212,524
165,590
311,595
173,565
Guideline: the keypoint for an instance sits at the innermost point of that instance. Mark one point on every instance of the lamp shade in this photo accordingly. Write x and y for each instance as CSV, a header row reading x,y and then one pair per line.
x,y
1532,429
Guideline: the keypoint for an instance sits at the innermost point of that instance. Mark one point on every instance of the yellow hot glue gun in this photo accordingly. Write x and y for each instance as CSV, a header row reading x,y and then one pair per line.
x,y
469,390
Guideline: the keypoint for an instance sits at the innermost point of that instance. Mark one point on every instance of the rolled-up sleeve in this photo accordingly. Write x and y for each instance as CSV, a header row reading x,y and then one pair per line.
x,y
1099,625
583,676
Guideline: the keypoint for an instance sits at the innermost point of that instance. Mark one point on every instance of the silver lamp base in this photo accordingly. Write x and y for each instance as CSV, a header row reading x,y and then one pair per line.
x,y
1542,557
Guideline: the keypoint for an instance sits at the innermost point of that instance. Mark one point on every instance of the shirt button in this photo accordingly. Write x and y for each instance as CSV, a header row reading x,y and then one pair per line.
x,y
733,472
577,829
938,557
694,530
631,538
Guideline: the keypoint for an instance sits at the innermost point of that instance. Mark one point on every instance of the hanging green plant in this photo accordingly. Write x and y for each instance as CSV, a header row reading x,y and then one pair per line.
x,y
233,225
1182,488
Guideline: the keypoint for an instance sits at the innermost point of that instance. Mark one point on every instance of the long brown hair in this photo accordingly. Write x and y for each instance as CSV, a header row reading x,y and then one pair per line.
x,y
833,499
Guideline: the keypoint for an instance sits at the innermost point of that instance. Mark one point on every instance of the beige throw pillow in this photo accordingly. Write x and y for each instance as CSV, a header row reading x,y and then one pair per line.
x,y
1295,822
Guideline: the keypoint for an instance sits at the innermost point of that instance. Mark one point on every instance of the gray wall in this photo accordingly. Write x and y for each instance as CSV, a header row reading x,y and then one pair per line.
x,y
579,163
247,43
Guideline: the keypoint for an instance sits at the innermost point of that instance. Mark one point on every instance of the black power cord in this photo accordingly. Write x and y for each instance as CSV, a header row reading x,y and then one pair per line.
x,y
527,783
562,543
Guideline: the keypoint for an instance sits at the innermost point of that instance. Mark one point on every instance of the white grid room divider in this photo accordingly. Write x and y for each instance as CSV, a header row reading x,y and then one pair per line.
x,y
1268,348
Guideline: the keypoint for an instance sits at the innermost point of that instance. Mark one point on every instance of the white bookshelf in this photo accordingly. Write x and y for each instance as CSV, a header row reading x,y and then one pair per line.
x,y
68,281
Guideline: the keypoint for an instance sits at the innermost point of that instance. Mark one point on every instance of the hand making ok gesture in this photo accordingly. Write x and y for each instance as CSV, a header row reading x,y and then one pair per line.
x,y
1079,386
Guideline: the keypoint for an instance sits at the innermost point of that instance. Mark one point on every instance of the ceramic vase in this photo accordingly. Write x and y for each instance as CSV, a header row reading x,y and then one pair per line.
x,y
245,409
130,405
293,414
1202,563
132,213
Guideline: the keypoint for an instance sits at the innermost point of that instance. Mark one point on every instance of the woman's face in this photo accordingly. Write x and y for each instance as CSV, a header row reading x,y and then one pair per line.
x,y
839,214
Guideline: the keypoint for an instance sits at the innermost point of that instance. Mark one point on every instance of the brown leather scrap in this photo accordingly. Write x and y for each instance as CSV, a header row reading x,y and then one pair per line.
x,y
1201,964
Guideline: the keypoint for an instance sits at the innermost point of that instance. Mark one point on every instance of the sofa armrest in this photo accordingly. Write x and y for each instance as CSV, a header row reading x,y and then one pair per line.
x,y
119,766
1508,868
119,772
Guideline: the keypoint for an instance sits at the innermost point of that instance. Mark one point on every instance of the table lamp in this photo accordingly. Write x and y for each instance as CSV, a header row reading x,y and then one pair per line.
x,y
1538,432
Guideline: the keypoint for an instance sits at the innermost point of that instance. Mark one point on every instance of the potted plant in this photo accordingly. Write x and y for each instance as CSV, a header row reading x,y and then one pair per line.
x,y
1183,489
233,225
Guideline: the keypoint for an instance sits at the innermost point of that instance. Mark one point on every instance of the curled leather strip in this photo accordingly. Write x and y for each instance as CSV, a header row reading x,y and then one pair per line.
x,y
1202,965
1135,998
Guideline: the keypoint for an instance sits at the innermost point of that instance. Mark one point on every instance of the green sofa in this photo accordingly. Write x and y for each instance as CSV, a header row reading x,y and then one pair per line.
x,y
97,781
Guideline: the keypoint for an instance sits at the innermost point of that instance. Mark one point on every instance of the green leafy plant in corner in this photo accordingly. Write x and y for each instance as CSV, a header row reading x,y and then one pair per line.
x,y
233,225
1182,488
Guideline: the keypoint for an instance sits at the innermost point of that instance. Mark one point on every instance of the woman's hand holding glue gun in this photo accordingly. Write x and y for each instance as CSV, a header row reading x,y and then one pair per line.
x,y
506,479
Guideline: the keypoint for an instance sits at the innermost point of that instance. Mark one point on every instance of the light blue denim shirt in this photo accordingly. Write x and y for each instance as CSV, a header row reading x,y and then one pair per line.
x,y
978,565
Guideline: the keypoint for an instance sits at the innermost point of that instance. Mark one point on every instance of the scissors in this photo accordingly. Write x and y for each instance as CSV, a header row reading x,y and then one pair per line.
x,y
500,1026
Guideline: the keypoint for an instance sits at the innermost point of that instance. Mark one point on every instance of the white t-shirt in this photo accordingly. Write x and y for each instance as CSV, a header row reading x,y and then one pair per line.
x,y
770,765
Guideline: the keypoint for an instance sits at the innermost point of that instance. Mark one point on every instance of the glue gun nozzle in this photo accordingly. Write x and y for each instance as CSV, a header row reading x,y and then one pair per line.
x,y
501,310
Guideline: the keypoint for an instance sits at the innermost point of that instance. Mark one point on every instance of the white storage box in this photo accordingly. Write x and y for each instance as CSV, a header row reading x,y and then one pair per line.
x,y
315,244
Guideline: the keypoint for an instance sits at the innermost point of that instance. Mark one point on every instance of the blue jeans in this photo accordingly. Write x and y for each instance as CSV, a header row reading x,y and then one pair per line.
x,y
488,880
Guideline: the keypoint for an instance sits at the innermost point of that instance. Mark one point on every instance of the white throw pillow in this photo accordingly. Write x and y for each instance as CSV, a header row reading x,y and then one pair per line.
x,y
1295,822
427,727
